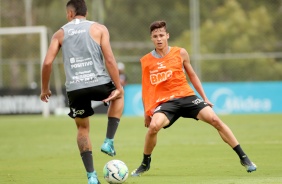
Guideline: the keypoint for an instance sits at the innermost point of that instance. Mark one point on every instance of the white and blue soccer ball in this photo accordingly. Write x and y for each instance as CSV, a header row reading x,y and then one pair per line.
x,y
115,171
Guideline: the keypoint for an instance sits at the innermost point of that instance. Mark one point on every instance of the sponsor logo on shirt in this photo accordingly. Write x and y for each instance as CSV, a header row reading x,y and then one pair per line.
x,y
161,65
160,77
80,62
72,32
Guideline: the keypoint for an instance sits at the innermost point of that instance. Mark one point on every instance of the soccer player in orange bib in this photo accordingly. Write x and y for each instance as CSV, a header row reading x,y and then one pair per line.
x,y
167,96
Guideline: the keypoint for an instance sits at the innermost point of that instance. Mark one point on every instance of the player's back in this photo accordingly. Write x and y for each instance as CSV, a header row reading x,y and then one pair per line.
x,y
83,58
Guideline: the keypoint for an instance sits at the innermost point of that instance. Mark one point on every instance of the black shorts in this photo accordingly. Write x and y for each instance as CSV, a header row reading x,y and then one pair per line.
x,y
187,107
80,100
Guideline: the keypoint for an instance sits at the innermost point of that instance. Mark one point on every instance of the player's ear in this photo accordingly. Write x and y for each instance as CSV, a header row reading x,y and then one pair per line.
x,y
70,15
73,13
167,35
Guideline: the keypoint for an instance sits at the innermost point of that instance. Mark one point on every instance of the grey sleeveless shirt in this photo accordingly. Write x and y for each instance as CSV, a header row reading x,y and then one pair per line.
x,y
83,58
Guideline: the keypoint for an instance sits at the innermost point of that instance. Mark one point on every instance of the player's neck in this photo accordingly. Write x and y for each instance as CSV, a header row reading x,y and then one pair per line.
x,y
162,52
79,17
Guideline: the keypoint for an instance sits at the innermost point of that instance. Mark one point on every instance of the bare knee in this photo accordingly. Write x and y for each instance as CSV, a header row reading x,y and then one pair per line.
x,y
153,129
216,122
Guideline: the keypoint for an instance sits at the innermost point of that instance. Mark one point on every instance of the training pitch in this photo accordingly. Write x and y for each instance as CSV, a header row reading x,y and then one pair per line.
x,y
41,150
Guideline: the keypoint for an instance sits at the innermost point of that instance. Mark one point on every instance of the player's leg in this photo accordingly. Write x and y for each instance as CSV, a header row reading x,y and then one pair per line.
x,y
208,115
85,148
114,114
83,140
159,120
80,110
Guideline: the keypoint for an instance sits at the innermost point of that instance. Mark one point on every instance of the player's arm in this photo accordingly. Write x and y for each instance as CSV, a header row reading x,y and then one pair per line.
x,y
52,52
193,76
110,60
110,63
147,118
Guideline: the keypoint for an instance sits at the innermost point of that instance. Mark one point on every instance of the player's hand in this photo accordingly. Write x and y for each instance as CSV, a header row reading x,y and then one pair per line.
x,y
44,96
209,103
117,93
147,120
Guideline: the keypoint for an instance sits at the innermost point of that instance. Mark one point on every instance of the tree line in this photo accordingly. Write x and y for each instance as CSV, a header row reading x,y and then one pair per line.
x,y
226,27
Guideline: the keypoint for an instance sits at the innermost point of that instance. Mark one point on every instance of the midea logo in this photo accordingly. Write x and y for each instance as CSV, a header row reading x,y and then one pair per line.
x,y
226,101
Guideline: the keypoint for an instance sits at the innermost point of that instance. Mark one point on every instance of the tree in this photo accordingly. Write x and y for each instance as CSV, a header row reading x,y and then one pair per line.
x,y
230,29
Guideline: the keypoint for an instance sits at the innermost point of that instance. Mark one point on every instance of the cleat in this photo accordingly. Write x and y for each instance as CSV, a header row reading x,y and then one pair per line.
x,y
92,178
141,169
108,147
250,166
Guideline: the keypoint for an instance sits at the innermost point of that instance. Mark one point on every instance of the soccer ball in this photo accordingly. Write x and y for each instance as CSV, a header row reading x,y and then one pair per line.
x,y
115,171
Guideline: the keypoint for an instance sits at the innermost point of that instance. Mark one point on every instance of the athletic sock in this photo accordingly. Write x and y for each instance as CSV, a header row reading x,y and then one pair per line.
x,y
146,159
241,153
112,127
87,161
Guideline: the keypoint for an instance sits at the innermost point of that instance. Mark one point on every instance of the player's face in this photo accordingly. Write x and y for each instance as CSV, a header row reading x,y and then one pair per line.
x,y
159,38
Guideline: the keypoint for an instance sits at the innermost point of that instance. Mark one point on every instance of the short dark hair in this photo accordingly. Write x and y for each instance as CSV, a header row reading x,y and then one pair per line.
x,y
79,6
158,24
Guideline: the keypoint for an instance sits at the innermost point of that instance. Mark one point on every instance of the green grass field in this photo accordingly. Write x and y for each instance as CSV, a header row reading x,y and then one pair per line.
x,y
41,150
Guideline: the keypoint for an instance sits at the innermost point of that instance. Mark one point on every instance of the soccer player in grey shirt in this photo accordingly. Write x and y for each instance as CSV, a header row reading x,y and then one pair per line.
x,y
91,74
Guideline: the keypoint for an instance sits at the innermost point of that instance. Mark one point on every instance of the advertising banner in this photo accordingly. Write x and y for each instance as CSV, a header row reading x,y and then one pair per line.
x,y
228,98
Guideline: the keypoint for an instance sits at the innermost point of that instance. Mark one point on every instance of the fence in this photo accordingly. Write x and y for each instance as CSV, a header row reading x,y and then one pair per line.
x,y
228,41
